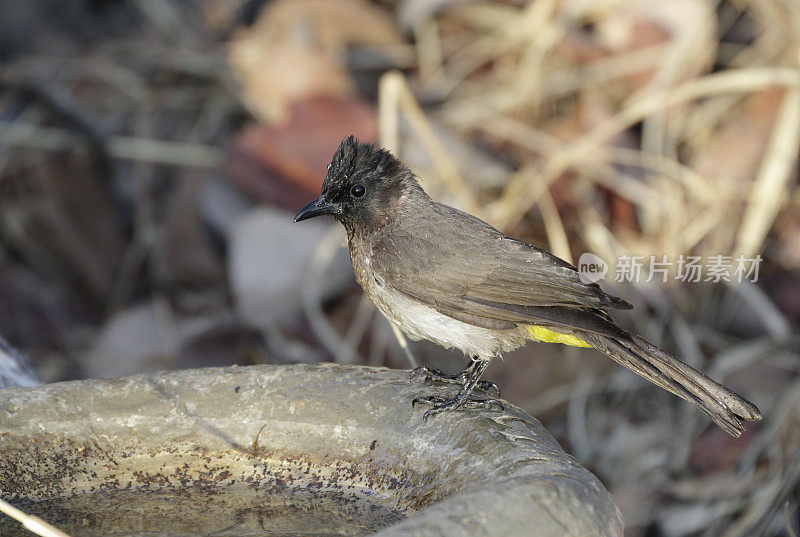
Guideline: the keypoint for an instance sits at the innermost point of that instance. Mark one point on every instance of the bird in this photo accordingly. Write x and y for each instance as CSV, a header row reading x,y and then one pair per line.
x,y
446,276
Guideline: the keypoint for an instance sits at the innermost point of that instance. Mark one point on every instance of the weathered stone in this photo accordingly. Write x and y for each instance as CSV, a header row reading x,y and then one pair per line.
x,y
331,429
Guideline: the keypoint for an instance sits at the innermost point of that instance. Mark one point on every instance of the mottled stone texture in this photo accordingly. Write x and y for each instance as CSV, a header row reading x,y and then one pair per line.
x,y
326,427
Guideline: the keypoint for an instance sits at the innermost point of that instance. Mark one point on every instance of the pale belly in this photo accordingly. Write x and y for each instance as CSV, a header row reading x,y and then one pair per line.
x,y
419,321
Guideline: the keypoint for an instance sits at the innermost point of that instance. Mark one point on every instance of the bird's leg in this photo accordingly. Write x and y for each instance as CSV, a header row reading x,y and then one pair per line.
x,y
462,398
474,364
437,375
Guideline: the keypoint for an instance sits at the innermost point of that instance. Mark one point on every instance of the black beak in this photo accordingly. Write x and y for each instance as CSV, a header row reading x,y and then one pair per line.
x,y
315,208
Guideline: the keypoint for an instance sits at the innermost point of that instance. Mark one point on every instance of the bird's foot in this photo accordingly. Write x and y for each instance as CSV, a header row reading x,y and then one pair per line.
x,y
429,373
441,404
437,376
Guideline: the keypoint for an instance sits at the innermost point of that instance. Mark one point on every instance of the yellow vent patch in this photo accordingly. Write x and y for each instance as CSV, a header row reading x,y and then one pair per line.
x,y
540,333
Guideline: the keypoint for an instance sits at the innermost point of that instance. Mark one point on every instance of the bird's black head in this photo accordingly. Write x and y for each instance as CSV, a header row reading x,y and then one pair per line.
x,y
363,187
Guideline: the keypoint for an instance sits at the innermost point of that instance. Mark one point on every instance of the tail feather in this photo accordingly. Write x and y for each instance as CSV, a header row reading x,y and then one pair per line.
x,y
725,407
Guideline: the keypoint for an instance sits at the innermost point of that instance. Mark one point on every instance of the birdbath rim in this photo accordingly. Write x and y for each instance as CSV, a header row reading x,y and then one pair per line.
x,y
350,429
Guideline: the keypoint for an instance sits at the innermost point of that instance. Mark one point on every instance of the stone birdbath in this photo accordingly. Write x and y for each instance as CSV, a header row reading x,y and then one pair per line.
x,y
302,450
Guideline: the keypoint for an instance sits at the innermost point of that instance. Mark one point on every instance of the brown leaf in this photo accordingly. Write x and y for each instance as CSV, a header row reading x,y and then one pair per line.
x,y
734,158
285,164
295,50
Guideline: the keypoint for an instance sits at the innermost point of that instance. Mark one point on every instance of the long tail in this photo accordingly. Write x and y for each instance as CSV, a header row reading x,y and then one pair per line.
x,y
726,408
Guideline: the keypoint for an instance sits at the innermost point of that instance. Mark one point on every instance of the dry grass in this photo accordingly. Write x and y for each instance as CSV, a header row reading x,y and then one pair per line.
x,y
705,159
641,127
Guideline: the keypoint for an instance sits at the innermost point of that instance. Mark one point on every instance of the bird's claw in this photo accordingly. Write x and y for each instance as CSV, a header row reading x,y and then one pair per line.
x,y
437,376
488,386
428,372
441,404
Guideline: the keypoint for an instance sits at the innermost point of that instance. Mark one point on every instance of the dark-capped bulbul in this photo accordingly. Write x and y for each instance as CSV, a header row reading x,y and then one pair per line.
x,y
444,275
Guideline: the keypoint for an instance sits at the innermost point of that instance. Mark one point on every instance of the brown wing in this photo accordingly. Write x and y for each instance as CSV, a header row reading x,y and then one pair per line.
x,y
468,270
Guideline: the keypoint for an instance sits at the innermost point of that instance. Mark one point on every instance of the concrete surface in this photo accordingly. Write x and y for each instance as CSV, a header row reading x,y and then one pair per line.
x,y
341,429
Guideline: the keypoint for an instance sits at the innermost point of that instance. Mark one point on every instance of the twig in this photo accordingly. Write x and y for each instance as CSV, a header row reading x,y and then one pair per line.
x,y
554,226
355,332
394,93
324,330
64,107
122,147
401,339
516,201
786,521
771,317
769,190
30,522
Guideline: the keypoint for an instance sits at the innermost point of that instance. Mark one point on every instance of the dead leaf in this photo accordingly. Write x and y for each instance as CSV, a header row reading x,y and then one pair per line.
x,y
284,164
296,50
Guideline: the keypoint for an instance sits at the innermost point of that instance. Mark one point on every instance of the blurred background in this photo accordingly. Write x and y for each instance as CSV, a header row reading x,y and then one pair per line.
x,y
154,152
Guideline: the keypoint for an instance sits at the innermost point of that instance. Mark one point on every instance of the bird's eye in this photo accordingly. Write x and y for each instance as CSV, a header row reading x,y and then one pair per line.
x,y
357,191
